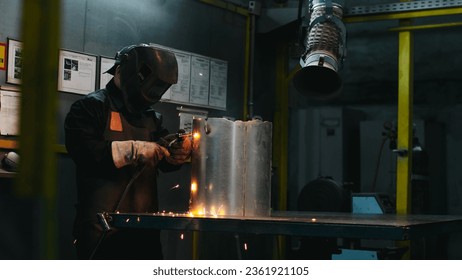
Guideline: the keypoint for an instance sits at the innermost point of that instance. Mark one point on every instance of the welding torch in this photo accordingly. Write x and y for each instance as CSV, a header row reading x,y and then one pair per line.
x,y
179,136
170,139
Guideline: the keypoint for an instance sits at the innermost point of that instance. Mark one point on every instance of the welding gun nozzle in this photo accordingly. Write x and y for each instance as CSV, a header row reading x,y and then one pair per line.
x,y
183,135
179,137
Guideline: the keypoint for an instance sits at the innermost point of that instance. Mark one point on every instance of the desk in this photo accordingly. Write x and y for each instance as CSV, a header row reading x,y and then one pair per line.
x,y
314,224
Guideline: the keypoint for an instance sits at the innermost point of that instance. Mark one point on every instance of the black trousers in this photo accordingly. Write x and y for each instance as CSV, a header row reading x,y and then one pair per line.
x,y
117,244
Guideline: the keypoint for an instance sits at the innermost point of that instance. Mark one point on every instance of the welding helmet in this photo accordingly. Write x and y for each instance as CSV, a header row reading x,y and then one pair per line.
x,y
146,73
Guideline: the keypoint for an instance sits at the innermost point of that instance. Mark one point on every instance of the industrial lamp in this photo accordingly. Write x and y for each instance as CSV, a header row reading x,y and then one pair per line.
x,y
325,49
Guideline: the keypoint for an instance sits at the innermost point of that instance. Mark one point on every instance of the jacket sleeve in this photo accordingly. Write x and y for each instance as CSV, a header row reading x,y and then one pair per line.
x,y
84,128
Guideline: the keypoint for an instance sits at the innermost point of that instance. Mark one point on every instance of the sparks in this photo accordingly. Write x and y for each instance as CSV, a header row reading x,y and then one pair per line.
x,y
175,187
245,246
221,210
193,187
182,236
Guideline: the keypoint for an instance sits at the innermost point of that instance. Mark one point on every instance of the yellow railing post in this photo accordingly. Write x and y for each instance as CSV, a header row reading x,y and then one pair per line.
x,y
405,126
405,121
39,101
280,135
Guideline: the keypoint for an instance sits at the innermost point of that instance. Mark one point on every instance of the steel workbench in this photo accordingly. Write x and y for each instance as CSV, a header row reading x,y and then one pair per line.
x,y
314,224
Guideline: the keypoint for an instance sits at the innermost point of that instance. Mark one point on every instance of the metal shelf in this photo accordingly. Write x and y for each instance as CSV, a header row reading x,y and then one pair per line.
x,y
13,145
8,144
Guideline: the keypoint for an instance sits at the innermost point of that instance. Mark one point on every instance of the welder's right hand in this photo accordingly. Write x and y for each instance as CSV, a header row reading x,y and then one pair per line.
x,y
137,152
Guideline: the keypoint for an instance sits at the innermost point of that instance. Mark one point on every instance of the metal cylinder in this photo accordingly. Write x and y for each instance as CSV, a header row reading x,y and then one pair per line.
x,y
258,168
198,167
231,168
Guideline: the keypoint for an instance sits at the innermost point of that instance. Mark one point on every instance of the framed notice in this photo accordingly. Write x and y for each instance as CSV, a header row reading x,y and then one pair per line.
x,y
105,64
180,90
77,72
218,83
14,62
200,78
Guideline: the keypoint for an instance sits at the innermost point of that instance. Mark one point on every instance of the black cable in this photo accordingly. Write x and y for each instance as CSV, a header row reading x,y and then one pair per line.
x,y
101,217
238,246
127,187
374,182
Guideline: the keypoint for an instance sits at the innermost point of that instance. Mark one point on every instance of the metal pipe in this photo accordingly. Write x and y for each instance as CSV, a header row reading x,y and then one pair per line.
x,y
280,138
245,114
251,65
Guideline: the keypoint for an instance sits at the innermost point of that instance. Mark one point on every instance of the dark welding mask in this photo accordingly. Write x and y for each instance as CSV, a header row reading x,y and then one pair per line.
x,y
146,73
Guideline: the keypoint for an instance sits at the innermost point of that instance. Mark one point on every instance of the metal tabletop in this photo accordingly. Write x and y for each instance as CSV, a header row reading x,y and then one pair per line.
x,y
315,224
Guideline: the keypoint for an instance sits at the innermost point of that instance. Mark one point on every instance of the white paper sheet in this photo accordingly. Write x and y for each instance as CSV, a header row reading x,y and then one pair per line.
x,y
9,112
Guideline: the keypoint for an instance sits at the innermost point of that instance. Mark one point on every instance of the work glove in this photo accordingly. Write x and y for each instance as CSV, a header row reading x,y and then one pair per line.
x,y
137,152
179,148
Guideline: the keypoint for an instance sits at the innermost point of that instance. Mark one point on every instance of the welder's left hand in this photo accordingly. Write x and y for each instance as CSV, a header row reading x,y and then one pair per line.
x,y
179,148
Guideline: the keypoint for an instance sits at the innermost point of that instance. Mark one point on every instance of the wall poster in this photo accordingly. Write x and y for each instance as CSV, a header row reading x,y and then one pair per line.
x,y
180,91
9,112
77,72
105,64
200,78
218,83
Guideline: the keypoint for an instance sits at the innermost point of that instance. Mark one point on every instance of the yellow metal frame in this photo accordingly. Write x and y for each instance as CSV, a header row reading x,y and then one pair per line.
x,y
404,15
248,34
39,104
227,6
280,137
426,26
405,122
281,125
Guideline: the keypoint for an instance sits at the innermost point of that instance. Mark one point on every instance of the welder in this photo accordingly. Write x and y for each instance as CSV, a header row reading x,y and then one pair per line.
x,y
115,139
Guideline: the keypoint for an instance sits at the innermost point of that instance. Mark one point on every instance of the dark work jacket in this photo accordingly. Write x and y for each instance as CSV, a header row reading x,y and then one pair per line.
x,y
92,123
